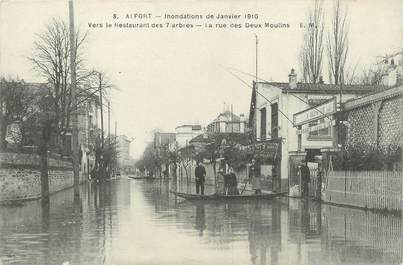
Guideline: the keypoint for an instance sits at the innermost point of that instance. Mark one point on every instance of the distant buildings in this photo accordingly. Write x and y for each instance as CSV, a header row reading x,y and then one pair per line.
x,y
185,133
391,70
123,152
162,140
228,122
88,133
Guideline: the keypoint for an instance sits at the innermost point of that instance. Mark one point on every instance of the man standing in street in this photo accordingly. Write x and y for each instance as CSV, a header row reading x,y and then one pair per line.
x,y
305,178
254,175
200,173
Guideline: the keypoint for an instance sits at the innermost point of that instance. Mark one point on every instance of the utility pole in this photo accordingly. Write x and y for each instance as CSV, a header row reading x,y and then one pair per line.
x,y
116,143
232,120
109,123
102,125
257,41
102,112
256,89
74,118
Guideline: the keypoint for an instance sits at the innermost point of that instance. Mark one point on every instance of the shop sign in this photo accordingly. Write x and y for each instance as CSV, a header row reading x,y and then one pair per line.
x,y
315,113
318,99
265,150
307,129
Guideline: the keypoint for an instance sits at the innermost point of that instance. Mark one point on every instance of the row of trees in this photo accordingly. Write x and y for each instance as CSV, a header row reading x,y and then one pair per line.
x,y
225,146
332,45
42,113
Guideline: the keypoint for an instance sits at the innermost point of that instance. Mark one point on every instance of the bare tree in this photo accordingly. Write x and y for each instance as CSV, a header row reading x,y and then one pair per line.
x,y
338,44
351,76
371,75
312,47
51,59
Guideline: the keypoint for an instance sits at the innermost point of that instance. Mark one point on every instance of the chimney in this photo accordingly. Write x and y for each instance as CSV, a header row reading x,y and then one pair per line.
x,y
392,77
321,80
205,135
242,123
292,79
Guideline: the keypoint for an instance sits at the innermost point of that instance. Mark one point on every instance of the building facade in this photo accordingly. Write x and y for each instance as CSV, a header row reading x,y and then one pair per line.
x,y
185,133
273,106
124,160
228,122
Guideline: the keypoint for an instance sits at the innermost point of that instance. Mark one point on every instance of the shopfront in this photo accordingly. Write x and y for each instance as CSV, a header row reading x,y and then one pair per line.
x,y
268,155
316,131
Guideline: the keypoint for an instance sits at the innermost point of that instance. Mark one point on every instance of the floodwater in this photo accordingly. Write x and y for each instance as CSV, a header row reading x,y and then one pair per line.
x,y
140,222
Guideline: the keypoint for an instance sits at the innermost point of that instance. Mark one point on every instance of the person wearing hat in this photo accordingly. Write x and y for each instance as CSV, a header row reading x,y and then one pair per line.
x,y
254,175
305,178
200,174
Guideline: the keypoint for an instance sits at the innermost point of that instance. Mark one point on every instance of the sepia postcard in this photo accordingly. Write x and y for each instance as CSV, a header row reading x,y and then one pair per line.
x,y
238,132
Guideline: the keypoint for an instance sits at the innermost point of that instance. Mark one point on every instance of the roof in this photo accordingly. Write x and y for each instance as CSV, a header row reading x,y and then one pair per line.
x,y
228,116
217,138
194,127
164,138
326,88
373,97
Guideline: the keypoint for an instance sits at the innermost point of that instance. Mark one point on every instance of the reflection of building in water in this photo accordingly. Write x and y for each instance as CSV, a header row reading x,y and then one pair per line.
x,y
286,231
351,235
200,218
304,221
265,234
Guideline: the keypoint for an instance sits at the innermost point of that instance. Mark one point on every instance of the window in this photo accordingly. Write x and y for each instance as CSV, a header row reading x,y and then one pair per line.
x,y
319,129
274,121
263,124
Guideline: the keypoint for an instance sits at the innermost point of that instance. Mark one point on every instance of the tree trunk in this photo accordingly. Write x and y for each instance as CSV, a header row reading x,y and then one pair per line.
x,y
3,132
175,168
44,170
215,175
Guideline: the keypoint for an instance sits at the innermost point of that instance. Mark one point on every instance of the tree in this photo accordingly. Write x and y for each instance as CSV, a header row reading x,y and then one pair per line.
x,y
51,59
149,160
17,103
312,47
338,44
105,157
371,76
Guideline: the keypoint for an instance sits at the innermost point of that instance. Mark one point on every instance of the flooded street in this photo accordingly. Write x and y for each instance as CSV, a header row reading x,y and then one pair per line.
x,y
140,222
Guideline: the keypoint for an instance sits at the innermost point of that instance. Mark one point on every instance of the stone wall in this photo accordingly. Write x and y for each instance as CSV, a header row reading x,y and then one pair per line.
x,y
20,176
31,161
391,123
378,124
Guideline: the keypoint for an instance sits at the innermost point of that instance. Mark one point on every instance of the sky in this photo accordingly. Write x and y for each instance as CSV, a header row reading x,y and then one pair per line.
x,y
169,77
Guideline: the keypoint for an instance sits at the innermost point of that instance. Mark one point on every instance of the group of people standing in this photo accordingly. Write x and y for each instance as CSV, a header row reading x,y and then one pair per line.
x,y
231,183
230,179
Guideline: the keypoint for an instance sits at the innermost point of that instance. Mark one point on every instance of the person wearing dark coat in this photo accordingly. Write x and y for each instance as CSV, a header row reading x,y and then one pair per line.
x,y
254,176
200,174
305,178
232,183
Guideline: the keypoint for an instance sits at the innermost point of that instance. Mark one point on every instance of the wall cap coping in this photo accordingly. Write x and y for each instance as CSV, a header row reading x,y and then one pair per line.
x,y
368,99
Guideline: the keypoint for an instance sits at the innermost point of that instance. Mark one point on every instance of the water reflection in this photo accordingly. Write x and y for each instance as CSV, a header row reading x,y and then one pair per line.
x,y
128,222
200,218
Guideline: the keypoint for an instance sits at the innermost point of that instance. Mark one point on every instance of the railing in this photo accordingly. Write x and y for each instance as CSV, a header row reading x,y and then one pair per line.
x,y
380,190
